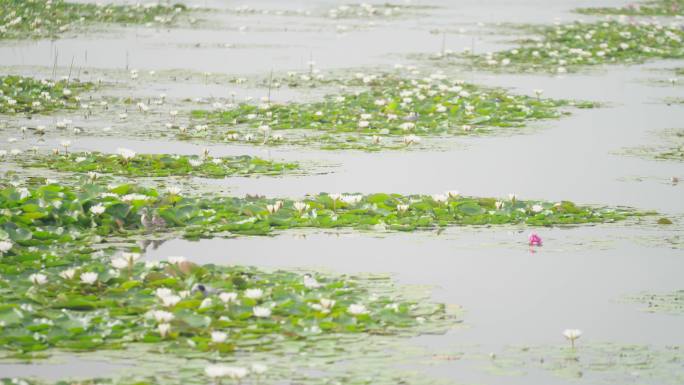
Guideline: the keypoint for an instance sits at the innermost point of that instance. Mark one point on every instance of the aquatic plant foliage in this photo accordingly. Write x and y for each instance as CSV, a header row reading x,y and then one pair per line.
x,y
392,109
128,163
52,213
647,8
570,47
21,19
19,94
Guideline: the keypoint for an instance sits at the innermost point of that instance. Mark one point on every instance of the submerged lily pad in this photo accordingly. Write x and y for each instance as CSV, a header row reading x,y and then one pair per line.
x,y
672,303
604,363
672,147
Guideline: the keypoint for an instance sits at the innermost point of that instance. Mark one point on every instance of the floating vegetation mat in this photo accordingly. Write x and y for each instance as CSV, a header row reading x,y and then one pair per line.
x,y
672,149
347,11
326,358
672,303
128,163
58,214
648,8
603,363
385,10
393,112
570,47
28,95
21,19
103,303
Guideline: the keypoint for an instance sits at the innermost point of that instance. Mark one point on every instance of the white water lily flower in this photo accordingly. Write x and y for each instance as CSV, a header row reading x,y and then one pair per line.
x,y
357,309
134,197
170,300
98,209
411,139
300,206
512,197
207,302
173,190
68,274
162,316
402,208
228,297
572,334
195,162
261,312
499,205
537,208
352,199
89,278
327,303
234,372
130,257
176,260
164,329
125,153
453,194
440,198
259,368
120,263
38,279
5,246
163,292
254,293
218,337
215,371
407,126
311,282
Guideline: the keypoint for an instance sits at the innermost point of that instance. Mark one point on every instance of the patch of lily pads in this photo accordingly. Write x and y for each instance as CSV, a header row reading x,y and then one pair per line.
x,y
392,112
571,47
49,214
27,95
349,358
603,362
648,8
108,302
672,149
128,163
670,303
366,10
21,19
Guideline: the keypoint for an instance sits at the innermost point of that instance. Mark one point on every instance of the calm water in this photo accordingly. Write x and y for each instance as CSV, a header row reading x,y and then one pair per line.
x,y
510,295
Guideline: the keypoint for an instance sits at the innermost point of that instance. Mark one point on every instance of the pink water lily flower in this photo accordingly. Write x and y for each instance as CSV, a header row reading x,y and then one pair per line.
x,y
535,240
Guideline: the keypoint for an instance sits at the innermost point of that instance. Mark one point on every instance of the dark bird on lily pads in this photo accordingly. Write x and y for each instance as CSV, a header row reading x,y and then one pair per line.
x,y
202,288
411,117
158,222
145,218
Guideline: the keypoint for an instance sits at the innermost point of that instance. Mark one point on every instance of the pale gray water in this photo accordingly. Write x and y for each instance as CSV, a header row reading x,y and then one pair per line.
x,y
510,296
